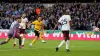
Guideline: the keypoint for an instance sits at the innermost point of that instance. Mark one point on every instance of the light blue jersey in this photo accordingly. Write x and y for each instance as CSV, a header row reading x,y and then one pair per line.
x,y
14,26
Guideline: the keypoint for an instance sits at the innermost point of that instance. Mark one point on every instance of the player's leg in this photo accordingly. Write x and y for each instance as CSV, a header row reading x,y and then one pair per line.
x,y
5,41
22,35
15,42
41,37
67,38
36,37
62,42
16,35
20,41
23,39
34,40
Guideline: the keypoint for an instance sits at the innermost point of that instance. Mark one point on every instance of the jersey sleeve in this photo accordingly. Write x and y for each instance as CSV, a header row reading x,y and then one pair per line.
x,y
26,19
12,25
42,22
69,18
60,19
34,22
17,26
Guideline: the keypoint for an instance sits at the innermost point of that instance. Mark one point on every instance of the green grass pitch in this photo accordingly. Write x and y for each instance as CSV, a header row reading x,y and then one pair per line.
x,y
77,48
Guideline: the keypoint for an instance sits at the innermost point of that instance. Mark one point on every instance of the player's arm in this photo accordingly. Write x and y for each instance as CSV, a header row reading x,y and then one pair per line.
x,y
71,25
14,33
56,26
27,23
70,22
42,26
59,21
34,22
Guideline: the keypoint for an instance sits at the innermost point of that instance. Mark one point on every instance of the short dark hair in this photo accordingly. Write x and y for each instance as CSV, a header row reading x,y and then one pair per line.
x,y
17,18
66,12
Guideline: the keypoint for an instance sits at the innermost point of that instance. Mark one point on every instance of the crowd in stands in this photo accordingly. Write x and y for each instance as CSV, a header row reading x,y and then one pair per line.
x,y
84,15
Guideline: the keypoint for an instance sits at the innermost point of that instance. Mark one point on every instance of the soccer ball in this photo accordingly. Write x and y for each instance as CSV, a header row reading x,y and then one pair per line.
x,y
30,44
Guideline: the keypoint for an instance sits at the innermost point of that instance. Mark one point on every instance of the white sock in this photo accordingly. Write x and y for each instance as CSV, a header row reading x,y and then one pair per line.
x,y
43,41
61,43
67,44
23,41
15,40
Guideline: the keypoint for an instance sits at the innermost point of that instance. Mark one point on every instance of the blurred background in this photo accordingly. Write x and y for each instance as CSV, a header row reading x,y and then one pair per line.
x,y
49,1
84,13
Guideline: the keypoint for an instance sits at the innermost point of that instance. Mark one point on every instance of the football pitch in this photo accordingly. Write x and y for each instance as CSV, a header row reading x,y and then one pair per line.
x,y
77,48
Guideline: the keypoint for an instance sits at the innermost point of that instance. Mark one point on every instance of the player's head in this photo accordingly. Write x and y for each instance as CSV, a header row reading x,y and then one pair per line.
x,y
23,15
66,12
18,19
39,18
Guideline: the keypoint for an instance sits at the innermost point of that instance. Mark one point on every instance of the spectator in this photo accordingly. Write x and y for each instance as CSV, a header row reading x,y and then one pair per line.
x,y
84,15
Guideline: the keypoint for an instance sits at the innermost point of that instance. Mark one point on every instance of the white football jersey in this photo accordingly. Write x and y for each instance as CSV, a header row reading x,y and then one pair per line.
x,y
23,23
65,22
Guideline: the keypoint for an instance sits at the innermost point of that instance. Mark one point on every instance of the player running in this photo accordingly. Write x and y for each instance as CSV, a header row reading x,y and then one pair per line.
x,y
23,24
65,21
38,30
13,33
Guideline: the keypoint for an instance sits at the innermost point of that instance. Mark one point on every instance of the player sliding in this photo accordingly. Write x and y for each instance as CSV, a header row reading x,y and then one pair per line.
x,y
65,21
13,32
23,24
38,30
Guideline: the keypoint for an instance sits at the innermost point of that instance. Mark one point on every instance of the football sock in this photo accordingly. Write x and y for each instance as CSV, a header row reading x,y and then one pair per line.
x,y
23,41
34,41
42,39
67,44
20,41
61,43
15,40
